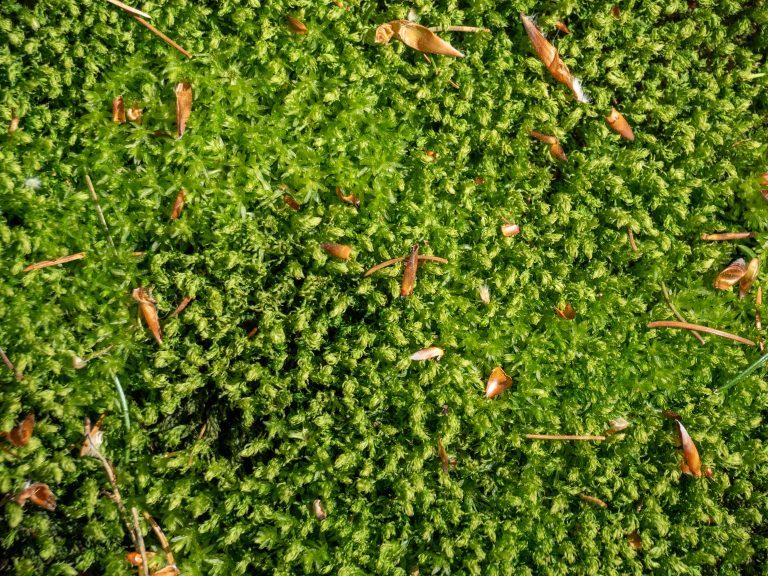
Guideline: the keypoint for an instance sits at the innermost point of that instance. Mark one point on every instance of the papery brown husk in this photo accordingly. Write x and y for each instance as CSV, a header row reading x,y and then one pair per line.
x,y
148,311
415,36
619,124
183,92
409,275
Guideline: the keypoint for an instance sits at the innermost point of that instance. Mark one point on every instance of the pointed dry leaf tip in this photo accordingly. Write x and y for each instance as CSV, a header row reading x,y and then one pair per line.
x,y
409,275
415,36
118,110
183,106
446,463
337,250
296,25
593,500
510,229
134,113
148,310
562,27
178,204
485,294
617,425
691,462
349,199
746,281
317,506
497,383
557,151
20,434
428,353
731,275
40,495
619,124
567,313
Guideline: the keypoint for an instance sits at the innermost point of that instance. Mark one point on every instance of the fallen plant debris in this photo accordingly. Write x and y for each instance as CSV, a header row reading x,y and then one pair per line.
x,y
634,540
549,55
348,198
676,313
617,425
567,312
632,239
728,236
20,434
508,229
118,110
171,568
39,494
619,124
554,145
484,293
291,202
160,35
415,36
699,328
443,455
317,507
94,437
562,437
749,277
13,125
428,354
728,278
409,274
140,541
102,220
148,311
497,383
593,500
183,92
691,462
296,25
56,262
182,305
562,27
134,113
10,366
129,9
178,204
616,11
340,251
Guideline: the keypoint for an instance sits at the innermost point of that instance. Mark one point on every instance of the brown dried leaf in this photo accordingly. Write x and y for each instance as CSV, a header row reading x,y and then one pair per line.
x,y
39,494
746,281
731,275
691,462
443,455
635,542
497,383
415,36
20,434
567,313
619,124
291,202
428,353
562,27
148,310
349,199
296,25
118,110
178,204
183,106
557,151
409,275
546,138
337,250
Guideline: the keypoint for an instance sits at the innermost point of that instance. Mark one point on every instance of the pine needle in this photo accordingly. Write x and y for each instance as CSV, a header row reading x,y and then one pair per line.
x,y
699,328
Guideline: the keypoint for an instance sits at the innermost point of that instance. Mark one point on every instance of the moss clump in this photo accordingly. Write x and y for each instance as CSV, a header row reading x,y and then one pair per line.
x,y
322,401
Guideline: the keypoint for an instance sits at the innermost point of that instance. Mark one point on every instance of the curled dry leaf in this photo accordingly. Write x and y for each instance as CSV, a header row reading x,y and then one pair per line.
x,y
118,110
510,229
634,540
562,27
497,383
39,494
134,113
183,92
178,204
566,313
443,455
21,433
619,124
337,250
549,56
317,507
349,199
94,438
746,281
617,425
731,275
148,310
409,275
593,500
428,353
296,25
415,36
485,294
691,462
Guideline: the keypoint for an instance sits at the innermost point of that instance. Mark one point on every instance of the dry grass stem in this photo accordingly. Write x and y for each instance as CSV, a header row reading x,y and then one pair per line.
x,y
699,328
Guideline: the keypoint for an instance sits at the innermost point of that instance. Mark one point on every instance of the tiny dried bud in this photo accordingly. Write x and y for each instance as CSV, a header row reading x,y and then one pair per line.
x,y
20,434
557,152
134,113
291,202
562,27
178,204
148,310
337,250
350,199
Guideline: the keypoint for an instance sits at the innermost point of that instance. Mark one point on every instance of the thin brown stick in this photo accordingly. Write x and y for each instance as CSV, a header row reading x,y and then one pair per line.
x,y
383,265
95,199
140,540
558,437
707,329
459,29
62,260
137,254
452,83
160,35
129,9
423,257
632,239
9,364
593,500
677,314
180,308
728,236
160,536
758,305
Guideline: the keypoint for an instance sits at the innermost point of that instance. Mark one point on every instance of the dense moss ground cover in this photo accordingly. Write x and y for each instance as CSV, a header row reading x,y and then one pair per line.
x,y
323,402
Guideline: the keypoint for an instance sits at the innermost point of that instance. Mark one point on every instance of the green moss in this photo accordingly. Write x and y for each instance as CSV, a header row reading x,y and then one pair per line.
x,y
322,402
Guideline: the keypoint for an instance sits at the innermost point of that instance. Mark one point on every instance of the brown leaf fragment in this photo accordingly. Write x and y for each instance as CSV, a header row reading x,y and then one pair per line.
x,y
497,383
183,92
296,25
593,500
566,313
134,113
349,199
337,250
290,201
443,455
21,433
56,262
39,494
691,462
383,265
118,110
509,229
180,308
746,281
409,275
94,438
13,125
617,425
548,54
632,242
731,275
546,138
671,414
148,310
562,27
619,124
317,507
634,540
616,11
178,204
134,558
415,36
428,354
253,332
557,152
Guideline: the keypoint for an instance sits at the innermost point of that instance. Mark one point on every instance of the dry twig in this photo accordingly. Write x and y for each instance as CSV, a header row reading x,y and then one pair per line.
x,y
62,260
699,328
566,437
160,35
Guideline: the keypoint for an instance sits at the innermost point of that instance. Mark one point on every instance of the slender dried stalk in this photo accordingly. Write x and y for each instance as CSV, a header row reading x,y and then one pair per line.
x,y
160,35
95,199
677,314
458,29
728,236
593,500
632,239
383,265
140,540
698,327
556,437
180,308
423,257
129,9
160,536
758,305
62,260
9,364
452,83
